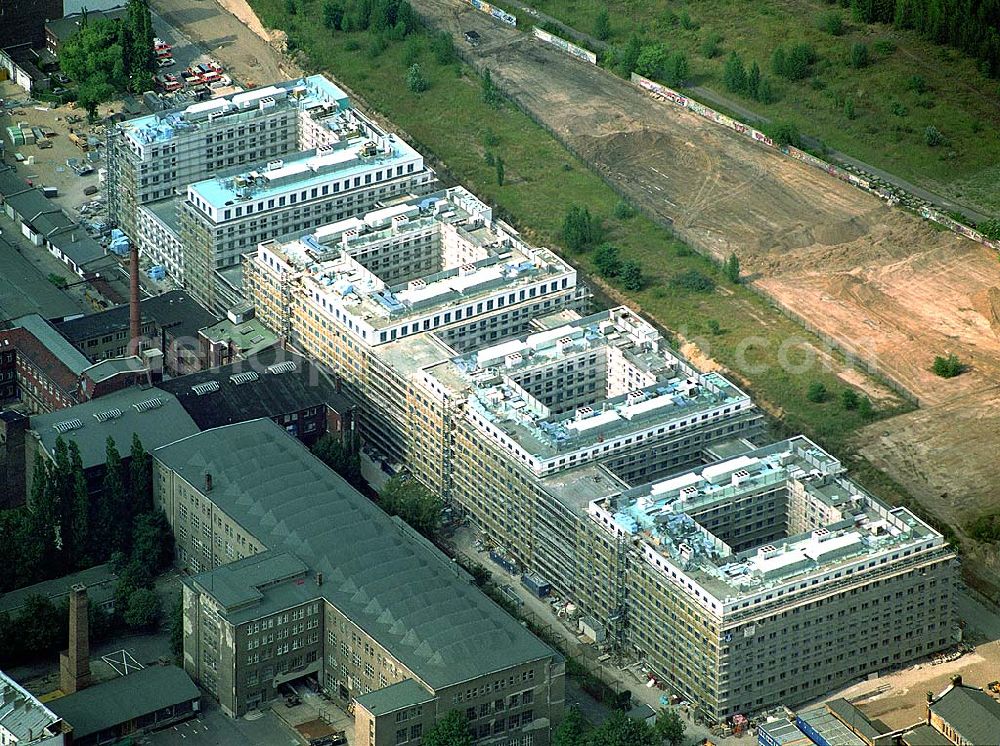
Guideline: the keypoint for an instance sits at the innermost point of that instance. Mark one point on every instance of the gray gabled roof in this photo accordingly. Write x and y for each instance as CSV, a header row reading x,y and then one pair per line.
x,y
389,581
100,582
54,342
125,698
973,713
29,204
23,289
155,424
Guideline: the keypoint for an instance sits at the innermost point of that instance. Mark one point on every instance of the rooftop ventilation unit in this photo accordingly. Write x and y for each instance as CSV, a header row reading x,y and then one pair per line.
x,y
111,414
145,406
286,367
275,164
65,427
200,389
240,378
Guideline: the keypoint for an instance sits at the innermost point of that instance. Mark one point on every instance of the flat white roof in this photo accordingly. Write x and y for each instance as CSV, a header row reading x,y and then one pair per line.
x,y
598,420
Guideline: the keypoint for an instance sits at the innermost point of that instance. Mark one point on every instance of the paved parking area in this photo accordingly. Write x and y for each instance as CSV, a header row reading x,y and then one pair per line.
x,y
214,728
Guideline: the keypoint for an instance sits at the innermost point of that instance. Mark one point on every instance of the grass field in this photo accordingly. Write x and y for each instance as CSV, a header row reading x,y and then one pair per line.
x,y
890,116
771,355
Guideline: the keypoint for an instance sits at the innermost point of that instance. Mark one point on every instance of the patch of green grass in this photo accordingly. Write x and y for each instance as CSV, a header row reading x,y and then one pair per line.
x,y
770,355
957,93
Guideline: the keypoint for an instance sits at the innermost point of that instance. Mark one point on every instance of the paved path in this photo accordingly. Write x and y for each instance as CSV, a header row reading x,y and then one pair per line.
x,y
710,96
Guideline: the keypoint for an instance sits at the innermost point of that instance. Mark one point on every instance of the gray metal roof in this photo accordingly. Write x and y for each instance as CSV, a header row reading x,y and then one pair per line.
x,y
22,714
77,245
125,698
156,426
11,183
174,310
30,203
383,576
25,290
405,693
113,366
924,735
973,713
54,342
100,582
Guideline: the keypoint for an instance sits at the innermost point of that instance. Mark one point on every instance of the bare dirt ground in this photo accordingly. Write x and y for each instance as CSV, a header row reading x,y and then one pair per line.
x,y
230,31
877,280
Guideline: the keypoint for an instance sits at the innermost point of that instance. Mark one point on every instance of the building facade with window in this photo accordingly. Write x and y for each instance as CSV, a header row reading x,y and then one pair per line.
x,y
296,575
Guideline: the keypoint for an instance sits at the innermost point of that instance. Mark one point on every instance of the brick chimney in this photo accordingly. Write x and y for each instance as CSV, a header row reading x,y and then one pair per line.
x,y
74,663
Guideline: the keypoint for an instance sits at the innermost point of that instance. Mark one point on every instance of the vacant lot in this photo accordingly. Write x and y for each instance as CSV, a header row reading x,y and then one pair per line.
x,y
890,114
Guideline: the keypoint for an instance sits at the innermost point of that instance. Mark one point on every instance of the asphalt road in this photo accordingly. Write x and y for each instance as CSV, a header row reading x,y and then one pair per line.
x,y
214,728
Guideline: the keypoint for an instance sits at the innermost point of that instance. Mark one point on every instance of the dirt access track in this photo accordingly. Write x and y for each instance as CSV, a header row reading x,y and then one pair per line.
x,y
877,280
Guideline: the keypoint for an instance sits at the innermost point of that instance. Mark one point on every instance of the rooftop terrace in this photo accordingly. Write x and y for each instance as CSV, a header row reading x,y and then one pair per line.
x,y
589,381
857,525
305,94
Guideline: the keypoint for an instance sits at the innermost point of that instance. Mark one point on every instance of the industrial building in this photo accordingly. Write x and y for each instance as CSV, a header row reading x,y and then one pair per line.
x,y
297,575
352,294
779,578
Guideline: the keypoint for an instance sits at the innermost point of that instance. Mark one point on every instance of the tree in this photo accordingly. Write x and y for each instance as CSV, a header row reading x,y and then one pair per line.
x,y
443,48
677,70
784,133
80,508
621,730
113,514
333,15
578,230
753,81
948,367
692,280
602,24
415,79
709,48
859,55
571,730
342,454
451,730
765,94
490,94
669,727
849,399
414,503
140,478
731,268
627,58
608,261
290,7
177,628
652,61
734,75
153,542
631,276
832,22
816,392
990,228
143,610
865,408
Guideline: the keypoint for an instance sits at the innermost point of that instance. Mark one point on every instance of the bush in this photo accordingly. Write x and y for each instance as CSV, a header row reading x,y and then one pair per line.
x,y
58,280
948,367
711,46
631,276
832,22
990,228
884,47
731,268
849,108
796,63
849,399
816,392
443,48
602,25
687,23
608,261
859,55
734,75
986,528
693,280
917,84
652,62
898,109
933,137
623,210
714,327
415,79
784,133
579,230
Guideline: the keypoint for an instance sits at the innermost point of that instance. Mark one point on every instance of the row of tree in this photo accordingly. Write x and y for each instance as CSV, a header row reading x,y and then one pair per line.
x,y
972,26
652,61
395,18
107,57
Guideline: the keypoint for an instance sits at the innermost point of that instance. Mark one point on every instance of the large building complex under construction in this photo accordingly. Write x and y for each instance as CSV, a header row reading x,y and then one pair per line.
x,y
589,453
196,188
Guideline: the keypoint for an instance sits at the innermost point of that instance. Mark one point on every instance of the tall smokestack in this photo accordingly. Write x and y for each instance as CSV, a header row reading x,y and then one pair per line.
x,y
134,322
74,663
